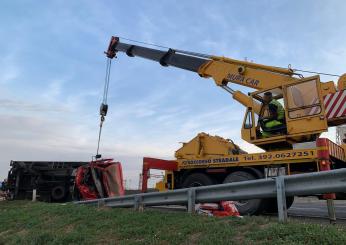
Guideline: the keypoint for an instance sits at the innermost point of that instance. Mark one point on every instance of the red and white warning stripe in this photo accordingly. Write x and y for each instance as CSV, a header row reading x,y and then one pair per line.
x,y
335,104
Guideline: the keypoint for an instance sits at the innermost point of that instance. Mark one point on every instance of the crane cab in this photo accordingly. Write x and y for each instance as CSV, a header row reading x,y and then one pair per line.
x,y
304,115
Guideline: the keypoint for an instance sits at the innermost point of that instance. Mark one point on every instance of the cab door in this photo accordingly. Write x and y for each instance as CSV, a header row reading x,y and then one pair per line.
x,y
304,107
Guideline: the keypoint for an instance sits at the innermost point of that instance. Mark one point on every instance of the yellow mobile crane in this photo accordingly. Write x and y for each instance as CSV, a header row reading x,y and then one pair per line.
x,y
311,106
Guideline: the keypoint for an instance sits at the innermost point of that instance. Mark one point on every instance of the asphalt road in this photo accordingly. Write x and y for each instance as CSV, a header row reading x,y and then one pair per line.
x,y
312,207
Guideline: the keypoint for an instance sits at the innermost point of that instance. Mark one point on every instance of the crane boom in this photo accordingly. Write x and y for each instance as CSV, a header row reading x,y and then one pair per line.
x,y
223,70
165,58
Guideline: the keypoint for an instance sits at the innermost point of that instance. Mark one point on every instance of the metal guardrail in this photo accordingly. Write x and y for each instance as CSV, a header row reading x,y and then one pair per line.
x,y
280,187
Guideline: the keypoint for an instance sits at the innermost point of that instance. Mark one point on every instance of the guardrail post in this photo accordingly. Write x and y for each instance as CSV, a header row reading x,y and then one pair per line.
x,y
100,203
138,203
331,211
281,199
191,200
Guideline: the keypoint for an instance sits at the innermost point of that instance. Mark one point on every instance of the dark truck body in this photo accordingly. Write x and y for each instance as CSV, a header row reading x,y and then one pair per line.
x,y
53,181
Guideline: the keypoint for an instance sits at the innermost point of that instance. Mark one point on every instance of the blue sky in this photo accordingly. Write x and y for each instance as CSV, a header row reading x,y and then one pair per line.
x,y
52,71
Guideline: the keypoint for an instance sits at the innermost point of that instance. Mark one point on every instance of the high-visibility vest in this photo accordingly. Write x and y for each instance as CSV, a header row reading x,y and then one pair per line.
x,y
280,109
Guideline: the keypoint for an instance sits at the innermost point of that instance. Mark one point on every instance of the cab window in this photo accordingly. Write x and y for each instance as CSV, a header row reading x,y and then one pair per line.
x,y
303,100
277,95
248,121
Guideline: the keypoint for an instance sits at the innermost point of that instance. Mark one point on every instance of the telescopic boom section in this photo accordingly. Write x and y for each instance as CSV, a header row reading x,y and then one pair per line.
x,y
165,58
223,70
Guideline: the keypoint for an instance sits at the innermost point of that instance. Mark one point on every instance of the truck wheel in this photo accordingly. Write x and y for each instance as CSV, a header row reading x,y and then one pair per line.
x,y
271,204
245,207
58,193
197,179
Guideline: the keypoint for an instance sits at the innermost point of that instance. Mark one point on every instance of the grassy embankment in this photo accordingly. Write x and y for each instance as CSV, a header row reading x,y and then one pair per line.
x,y
23,222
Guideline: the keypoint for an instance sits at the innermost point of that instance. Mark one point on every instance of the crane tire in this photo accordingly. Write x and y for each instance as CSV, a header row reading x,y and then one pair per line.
x,y
245,207
197,179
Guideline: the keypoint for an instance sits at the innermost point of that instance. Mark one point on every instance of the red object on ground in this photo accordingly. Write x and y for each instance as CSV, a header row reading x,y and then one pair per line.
x,y
109,178
221,209
154,163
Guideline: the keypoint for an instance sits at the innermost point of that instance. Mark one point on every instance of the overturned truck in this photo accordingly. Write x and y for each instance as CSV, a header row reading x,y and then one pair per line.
x,y
64,181
52,180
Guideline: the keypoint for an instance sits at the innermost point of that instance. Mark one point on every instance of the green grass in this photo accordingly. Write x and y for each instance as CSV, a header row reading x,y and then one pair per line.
x,y
23,222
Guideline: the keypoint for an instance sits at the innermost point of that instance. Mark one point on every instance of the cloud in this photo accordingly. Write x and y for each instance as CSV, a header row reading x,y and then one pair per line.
x,y
42,139
9,70
21,105
54,90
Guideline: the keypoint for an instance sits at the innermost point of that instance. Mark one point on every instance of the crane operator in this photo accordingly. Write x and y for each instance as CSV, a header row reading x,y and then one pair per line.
x,y
275,120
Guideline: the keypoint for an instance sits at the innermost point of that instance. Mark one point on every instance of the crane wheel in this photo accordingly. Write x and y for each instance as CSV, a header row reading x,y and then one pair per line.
x,y
197,179
245,207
